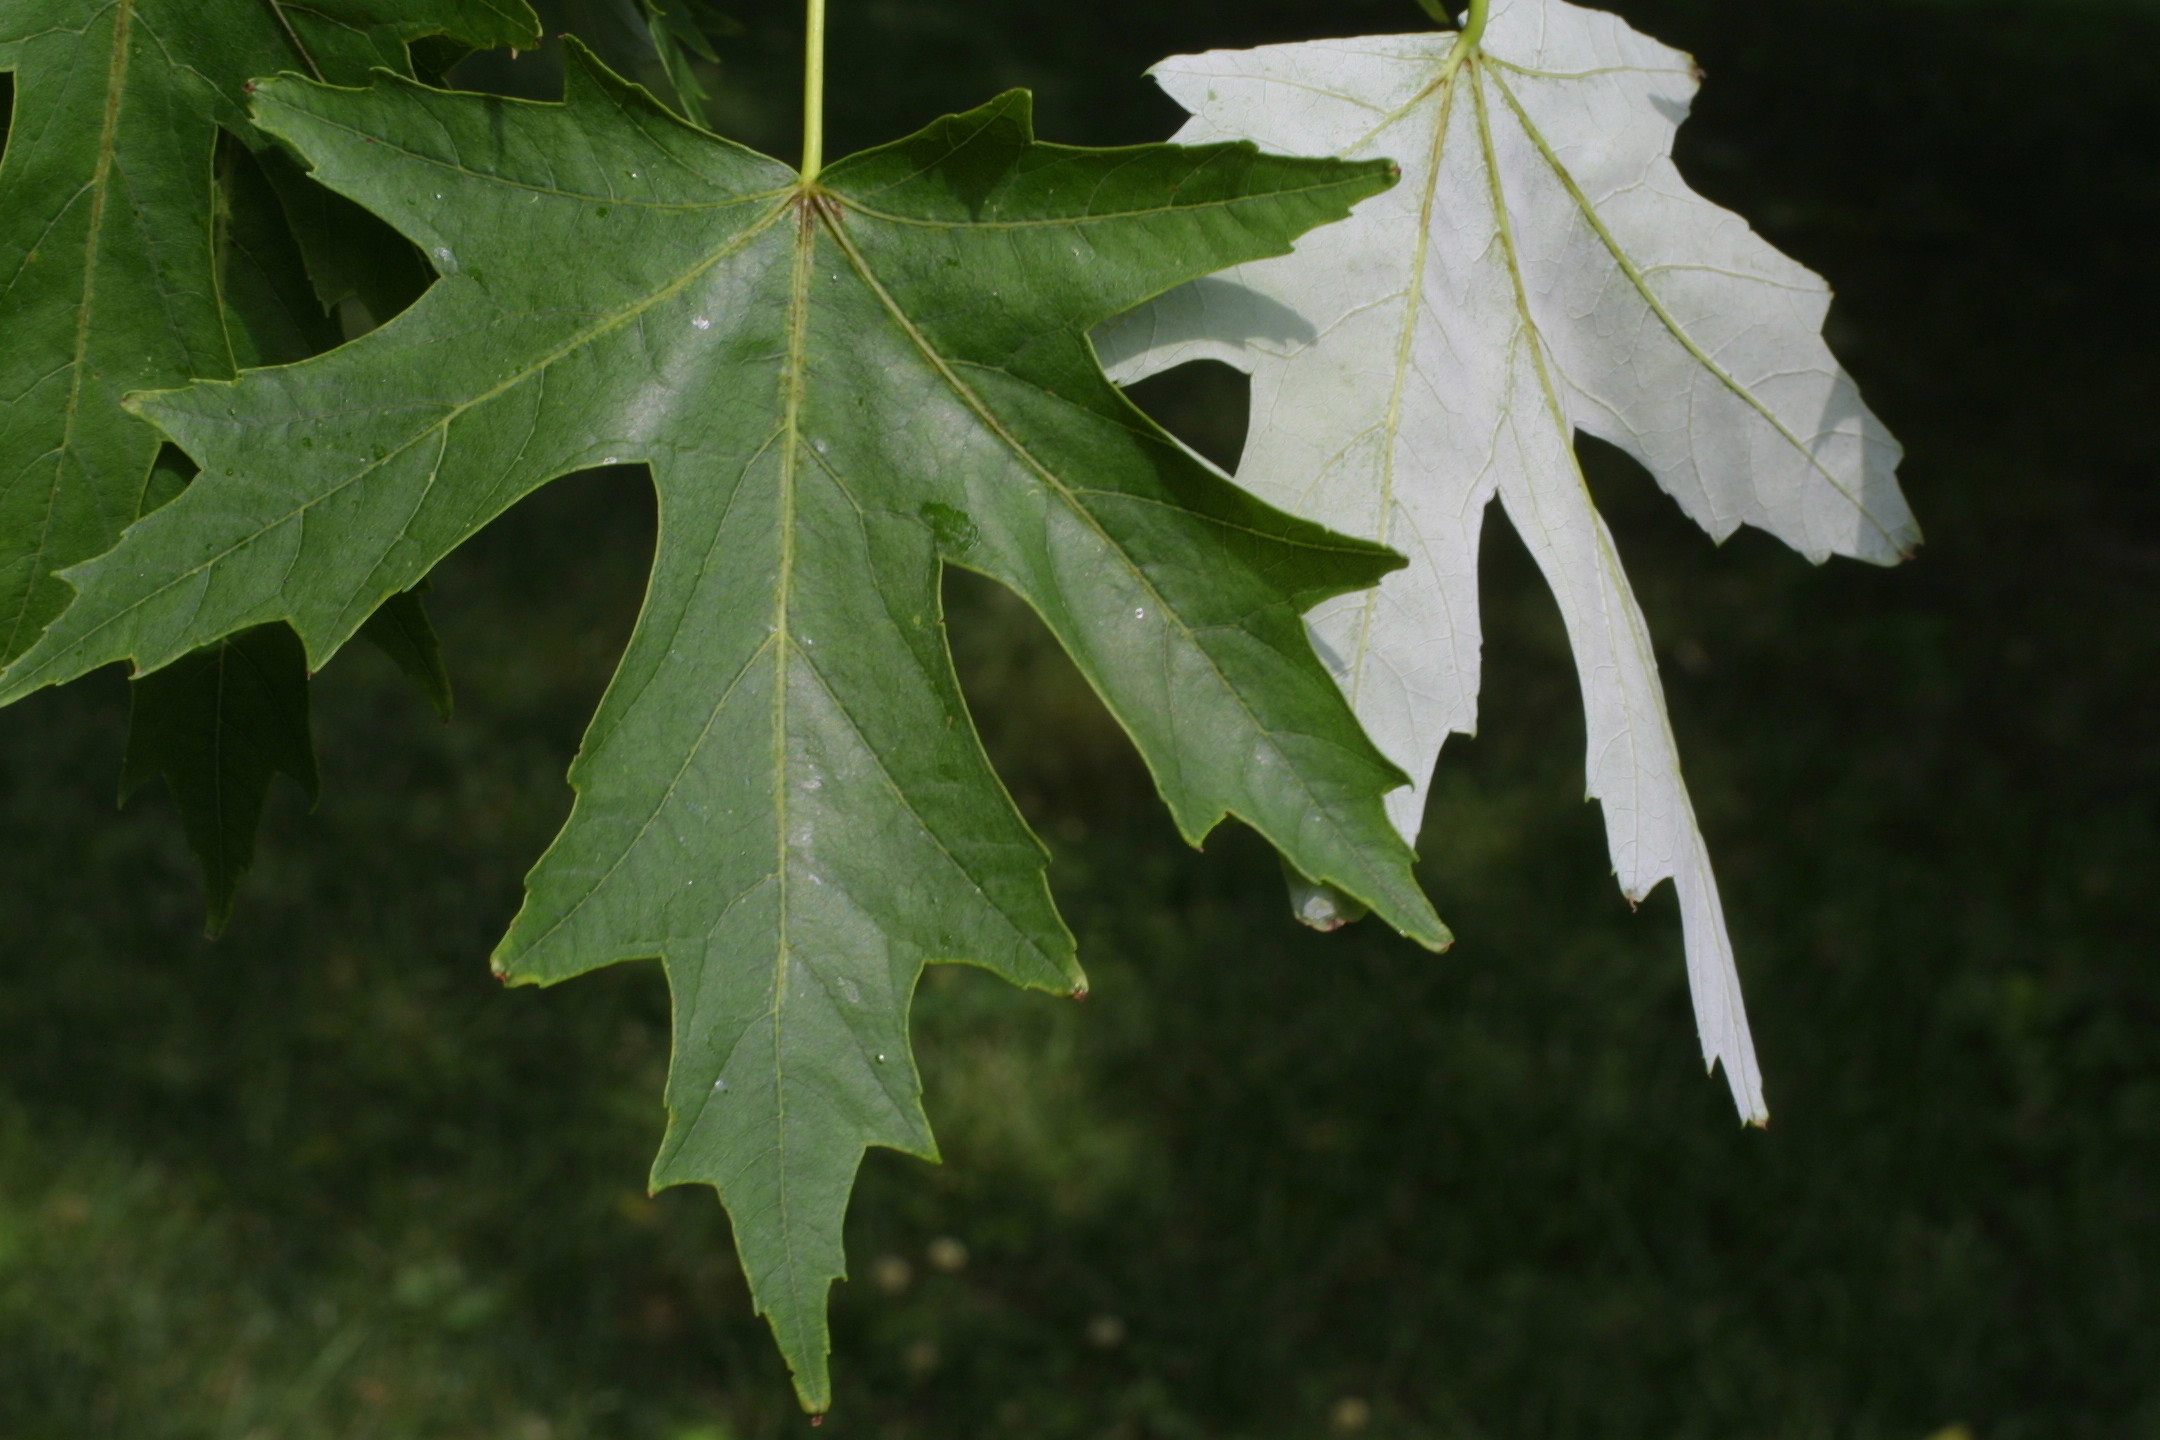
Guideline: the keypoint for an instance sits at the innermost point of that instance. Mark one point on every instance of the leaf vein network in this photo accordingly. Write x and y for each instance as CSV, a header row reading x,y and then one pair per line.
x,y
968,397
583,196
1665,316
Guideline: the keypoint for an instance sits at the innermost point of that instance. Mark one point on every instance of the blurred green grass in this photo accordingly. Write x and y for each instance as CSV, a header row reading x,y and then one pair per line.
x,y
324,1179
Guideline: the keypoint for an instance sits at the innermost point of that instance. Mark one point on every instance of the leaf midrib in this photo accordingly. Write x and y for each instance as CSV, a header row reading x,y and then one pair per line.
x,y
1556,413
799,277
116,71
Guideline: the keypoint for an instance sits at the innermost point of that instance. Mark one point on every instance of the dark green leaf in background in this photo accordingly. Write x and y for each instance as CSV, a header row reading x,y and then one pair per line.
x,y
347,255
130,266
681,36
272,314
840,388
401,630
108,272
216,724
664,45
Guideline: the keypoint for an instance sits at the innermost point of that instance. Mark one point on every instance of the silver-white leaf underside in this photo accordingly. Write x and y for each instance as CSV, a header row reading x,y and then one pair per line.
x,y
1541,269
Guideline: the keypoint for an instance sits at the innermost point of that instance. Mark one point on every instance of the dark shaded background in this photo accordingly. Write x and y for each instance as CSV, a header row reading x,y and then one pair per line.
x,y
324,1179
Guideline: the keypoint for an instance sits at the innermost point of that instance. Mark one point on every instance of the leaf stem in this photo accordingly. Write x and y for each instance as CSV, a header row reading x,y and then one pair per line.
x,y
1473,26
813,96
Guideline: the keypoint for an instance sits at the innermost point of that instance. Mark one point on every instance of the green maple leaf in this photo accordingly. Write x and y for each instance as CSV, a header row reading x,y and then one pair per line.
x,y
840,386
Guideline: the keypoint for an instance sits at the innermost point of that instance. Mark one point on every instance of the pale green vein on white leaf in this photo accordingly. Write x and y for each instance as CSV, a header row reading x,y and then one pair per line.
x,y
1542,269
